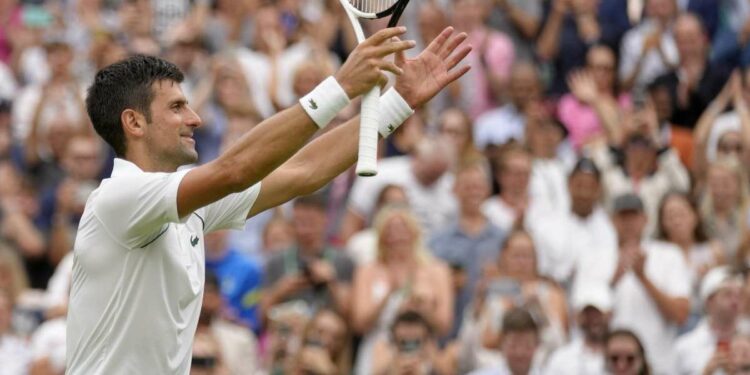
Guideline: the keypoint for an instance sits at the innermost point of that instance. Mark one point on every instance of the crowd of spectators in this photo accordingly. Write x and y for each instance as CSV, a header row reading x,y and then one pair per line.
x,y
579,203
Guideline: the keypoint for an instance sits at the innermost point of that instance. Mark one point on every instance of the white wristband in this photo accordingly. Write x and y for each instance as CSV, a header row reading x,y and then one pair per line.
x,y
325,101
394,110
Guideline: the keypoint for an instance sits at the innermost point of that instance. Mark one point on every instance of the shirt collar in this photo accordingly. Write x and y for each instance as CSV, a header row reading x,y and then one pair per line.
x,y
124,167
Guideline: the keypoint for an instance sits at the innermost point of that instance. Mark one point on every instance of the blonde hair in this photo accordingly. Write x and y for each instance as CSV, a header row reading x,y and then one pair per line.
x,y
18,278
390,212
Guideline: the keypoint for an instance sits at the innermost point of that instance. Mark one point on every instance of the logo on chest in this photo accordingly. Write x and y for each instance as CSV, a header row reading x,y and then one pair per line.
x,y
194,240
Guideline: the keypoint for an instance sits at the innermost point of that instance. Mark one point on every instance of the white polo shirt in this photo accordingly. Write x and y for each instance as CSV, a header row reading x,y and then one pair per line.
x,y
138,273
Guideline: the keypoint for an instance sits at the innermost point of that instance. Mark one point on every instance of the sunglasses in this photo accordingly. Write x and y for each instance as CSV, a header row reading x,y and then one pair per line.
x,y
730,147
629,359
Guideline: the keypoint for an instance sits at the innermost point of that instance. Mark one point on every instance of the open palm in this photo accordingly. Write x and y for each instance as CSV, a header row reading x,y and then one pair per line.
x,y
424,76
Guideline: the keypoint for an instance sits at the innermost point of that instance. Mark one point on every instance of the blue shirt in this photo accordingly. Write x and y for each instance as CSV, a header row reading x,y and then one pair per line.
x,y
240,278
471,252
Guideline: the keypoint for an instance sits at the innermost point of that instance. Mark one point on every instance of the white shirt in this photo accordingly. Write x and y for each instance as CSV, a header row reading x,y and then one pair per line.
x,y
572,248
15,355
694,350
634,308
49,342
653,66
575,359
138,273
435,205
362,247
498,126
548,186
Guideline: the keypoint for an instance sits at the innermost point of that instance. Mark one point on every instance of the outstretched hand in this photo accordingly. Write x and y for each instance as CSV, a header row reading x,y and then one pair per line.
x,y
424,76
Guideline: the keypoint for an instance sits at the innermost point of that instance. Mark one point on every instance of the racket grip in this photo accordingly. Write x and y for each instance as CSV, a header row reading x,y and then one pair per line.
x,y
368,134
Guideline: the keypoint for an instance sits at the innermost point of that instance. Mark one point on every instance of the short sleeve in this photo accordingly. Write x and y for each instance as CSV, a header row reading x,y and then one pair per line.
x,y
135,208
229,212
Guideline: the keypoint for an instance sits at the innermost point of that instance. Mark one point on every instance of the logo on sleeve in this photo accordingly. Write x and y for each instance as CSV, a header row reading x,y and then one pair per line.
x,y
193,240
313,105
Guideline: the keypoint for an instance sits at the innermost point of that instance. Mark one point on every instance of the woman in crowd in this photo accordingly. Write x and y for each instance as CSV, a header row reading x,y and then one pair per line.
x,y
724,203
594,98
403,276
515,282
624,354
457,126
680,224
329,331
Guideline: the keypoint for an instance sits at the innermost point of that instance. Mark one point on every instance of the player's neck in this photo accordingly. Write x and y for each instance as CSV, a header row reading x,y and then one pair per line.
x,y
147,163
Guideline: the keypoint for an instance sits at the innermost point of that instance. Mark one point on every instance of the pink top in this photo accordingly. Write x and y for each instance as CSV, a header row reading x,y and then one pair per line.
x,y
499,54
5,46
581,120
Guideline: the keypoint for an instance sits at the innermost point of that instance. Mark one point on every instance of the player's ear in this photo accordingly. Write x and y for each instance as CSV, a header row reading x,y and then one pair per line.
x,y
133,122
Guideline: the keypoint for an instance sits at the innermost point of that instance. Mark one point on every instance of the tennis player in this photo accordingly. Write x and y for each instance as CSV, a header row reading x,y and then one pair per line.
x,y
138,268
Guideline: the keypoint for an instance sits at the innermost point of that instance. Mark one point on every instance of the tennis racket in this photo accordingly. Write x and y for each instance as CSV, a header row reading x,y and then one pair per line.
x,y
368,131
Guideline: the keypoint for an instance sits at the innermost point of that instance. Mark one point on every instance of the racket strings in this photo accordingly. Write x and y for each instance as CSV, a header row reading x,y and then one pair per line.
x,y
372,6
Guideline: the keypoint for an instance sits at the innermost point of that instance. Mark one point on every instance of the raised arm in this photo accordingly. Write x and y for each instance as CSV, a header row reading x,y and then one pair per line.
x,y
315,165
274,140
548,44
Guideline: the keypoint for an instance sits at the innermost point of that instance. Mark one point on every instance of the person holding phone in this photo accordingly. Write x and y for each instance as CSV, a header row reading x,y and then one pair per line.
x,y
411,348
706,349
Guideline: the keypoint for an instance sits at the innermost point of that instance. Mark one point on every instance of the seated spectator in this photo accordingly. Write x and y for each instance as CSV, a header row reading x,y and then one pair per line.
x,y
578,245
491,59
546,141
410,348
404,276
61,206
570,28
456,125
507,122
594,98
521,21
640,164
680,224
515,282
426,178
585,355
220,343
519,346
472,241
648,50
311,271
724,203
327,330
695,81
362,247
718,134
650,302
240,278
278,235
512,207
15,354
625,354
707,348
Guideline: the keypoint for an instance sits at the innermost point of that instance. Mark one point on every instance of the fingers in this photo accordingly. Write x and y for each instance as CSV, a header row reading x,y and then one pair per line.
x,y
383,35
392,47
440,40
399,56
457,73
391,67
453,42
456,58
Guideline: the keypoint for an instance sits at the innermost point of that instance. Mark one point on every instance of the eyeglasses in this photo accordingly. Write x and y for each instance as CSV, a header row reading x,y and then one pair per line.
x,y
629,359
730,147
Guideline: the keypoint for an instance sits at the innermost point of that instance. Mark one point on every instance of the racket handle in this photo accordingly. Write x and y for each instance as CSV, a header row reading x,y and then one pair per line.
x,y
368,134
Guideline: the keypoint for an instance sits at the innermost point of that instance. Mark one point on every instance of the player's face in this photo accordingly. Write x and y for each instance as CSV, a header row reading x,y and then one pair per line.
x,y
169,136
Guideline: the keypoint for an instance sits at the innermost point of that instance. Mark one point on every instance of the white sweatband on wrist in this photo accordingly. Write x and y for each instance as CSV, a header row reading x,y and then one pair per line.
x,y
394,110
325,101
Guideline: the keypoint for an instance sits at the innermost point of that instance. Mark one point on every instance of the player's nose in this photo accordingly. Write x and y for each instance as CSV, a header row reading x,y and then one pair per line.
x,y
192,119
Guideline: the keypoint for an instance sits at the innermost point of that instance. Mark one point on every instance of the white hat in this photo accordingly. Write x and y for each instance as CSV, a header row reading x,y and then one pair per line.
x,y
595,295
714,280
728,122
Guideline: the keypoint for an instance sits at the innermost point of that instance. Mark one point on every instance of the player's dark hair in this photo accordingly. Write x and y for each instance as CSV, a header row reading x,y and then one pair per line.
x,y
125,85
